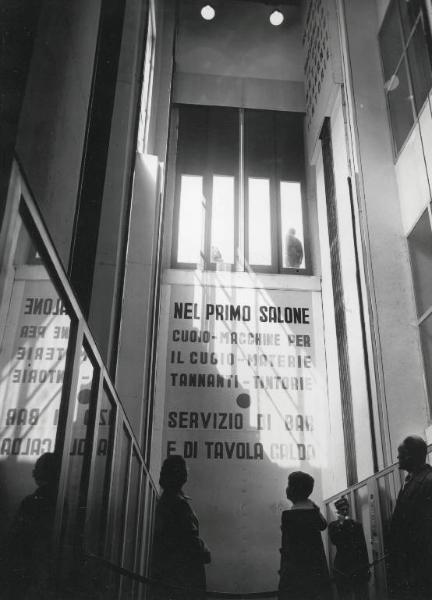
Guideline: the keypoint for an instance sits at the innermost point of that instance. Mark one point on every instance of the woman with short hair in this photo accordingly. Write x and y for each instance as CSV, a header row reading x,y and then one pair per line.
x,y
179,554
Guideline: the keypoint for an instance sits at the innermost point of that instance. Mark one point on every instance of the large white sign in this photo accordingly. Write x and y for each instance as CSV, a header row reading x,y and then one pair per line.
x,y
245,404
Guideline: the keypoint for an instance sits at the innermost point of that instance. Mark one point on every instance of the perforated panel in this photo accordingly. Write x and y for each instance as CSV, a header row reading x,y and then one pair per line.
x,y
316,43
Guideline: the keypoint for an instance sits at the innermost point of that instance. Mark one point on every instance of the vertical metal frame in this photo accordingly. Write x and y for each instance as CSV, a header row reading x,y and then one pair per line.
x,y
140,529
240,248
93,425
338,298
125,503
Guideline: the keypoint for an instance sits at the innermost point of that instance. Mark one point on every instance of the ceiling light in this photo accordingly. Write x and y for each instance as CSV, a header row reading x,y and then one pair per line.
x,y
208,12
276,18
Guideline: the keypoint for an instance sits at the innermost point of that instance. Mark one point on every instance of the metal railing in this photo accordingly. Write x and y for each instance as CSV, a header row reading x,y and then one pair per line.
x,y
372,502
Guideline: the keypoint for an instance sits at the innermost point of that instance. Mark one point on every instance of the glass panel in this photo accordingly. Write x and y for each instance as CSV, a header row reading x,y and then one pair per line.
x,y
420,248
222,236
259,143
420,67
400,105
133,530
390,40
119,499
388,489
387,499
75,504
259,221
191,220
330,515
132,516
34,337
365,514
140,525
292,225
426,342
98,502
410,10
150,514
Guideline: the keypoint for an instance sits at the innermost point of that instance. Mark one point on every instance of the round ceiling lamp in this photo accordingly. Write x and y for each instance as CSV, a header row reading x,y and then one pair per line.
x,y
208,12
276,18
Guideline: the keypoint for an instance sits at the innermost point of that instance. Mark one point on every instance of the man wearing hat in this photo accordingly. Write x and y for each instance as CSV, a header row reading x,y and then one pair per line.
x,y
411,525
351,563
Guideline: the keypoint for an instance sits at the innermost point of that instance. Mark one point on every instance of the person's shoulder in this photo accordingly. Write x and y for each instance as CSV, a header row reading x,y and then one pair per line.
x,y
425,477
285,515
299,514
30,502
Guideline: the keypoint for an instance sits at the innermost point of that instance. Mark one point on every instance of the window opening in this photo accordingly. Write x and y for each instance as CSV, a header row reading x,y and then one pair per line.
x,y
259,226
405,47
192,205
420,250
239,200
222,220
292,225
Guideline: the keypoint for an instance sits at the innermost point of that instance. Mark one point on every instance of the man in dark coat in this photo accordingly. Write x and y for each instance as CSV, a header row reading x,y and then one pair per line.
x,y
351,563
411,525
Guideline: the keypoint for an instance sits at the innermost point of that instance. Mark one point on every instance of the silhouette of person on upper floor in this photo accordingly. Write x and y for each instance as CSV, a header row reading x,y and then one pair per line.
x,y
179,554
351,563
411,525
303,569
294,250
26,562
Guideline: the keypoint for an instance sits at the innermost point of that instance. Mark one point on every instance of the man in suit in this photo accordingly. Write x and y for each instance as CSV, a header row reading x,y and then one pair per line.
x,y
411,525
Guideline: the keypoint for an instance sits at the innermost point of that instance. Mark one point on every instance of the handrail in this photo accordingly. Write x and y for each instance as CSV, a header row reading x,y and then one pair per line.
x,y
364,481
157,582
212,593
